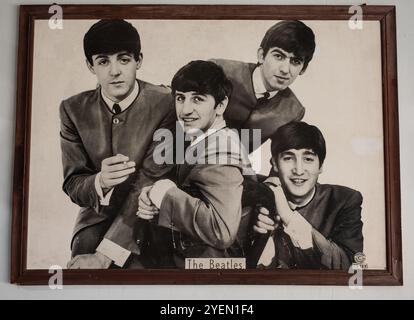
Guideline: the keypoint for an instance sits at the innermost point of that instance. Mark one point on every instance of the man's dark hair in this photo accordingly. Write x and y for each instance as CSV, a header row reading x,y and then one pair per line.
x,y
292,36
298,135
109,36
204,77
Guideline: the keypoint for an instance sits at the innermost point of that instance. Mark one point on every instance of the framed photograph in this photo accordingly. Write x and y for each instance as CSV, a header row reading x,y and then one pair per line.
x,y
307,94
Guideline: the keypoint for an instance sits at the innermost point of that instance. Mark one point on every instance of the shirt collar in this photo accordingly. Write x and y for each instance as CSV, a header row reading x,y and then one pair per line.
x,y
218,124
124,104
258,85
294,206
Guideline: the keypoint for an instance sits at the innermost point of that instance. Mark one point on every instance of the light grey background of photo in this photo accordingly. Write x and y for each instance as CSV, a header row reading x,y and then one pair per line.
x,y
341,91
9,36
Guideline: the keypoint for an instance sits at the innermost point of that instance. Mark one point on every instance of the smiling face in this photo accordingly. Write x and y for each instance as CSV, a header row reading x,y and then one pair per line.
x,y
279,68
298,173
116,73
197,111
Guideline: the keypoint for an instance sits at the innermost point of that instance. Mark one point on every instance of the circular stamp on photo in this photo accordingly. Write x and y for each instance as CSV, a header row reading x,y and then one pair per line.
x,y
359,257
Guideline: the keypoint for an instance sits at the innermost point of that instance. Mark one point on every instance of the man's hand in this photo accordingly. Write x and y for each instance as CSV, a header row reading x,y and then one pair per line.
x,y
264,223
115,170
90,261
146,209
282,205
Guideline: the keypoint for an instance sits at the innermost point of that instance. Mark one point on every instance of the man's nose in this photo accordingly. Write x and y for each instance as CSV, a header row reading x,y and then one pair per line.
x,y
188,108
114,69
298,168
284,66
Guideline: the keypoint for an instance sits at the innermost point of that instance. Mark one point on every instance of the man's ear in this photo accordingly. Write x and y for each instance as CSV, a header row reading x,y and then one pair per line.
x,y
90,67
321,169
139,61
260,55
221,107
274,165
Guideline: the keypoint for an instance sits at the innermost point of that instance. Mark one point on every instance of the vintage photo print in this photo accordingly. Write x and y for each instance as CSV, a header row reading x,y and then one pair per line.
x,y
206,144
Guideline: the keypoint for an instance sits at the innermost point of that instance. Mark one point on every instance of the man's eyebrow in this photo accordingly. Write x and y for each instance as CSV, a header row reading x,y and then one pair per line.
x,y
310,152
287,153
284,54
193,93
99,56
306,152
278,51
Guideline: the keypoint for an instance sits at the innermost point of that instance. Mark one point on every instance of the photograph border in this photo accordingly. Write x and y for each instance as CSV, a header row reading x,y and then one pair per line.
x,y
392,275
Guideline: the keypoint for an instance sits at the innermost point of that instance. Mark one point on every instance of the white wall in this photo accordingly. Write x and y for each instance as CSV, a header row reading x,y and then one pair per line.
x,y
8,40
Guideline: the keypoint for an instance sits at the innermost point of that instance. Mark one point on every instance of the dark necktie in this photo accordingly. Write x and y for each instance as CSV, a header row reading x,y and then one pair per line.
x,y
263,99
116,108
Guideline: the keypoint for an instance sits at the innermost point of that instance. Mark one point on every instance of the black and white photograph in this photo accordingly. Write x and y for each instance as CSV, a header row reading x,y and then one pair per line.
x,y
207,144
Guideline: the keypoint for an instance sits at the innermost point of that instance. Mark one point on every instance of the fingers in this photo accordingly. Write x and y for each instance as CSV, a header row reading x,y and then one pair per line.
x,y
113,182
118,174
259,230
146,215
264,211
119,167
264,223
114,160
145,206
109,180
115,170
152,210
265,219
146,209
144,196
265,226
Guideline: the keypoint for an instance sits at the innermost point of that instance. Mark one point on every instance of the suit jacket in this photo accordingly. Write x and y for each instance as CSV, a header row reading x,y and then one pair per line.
x,y
335,215
90,132
243,112
204,211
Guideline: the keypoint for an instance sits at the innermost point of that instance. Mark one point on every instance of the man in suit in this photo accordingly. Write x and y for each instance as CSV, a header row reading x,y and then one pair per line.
x,y
319,225
200,211
107,143
261,98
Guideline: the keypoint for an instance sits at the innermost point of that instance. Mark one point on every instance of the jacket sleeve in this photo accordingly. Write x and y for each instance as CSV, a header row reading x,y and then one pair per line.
x,y
78,170
338,249
213,218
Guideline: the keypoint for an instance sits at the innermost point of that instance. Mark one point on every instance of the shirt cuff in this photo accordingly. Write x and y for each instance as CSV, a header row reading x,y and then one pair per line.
x,y
103,200
268,253
159,190
114,252
300,231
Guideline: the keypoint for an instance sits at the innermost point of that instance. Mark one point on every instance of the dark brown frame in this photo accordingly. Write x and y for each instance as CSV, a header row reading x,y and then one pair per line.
x,y
385,14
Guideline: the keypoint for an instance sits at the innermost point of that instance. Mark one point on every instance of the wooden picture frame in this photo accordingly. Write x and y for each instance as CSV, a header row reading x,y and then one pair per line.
x,y
384,15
